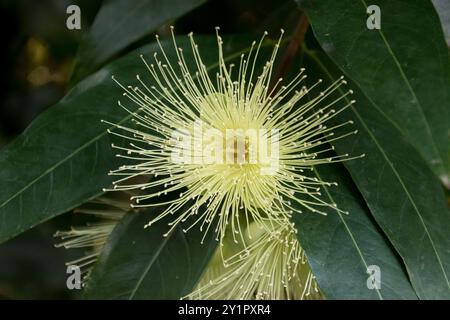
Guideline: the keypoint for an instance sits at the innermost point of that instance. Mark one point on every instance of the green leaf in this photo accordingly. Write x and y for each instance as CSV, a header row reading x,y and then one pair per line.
x,y
403,68
138,263
400,190
63,158
340,248
120,23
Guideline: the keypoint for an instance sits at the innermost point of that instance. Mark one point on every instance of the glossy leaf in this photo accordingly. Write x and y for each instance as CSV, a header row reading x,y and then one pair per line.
x,y
341,248
406,79
138,263
120,23
400,190
63,158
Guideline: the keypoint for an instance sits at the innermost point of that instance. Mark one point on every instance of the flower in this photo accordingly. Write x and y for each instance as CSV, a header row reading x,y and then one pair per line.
x,y
109,210
273,266
181,137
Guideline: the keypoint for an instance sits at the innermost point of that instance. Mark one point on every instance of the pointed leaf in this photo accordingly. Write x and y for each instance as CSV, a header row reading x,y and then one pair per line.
x,y
138,263
403,68
341,248
119,23
402,193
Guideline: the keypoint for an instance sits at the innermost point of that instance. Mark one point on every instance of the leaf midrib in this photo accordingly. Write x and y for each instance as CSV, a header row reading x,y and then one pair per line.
x,y
150,264
416,209
408,85
350,233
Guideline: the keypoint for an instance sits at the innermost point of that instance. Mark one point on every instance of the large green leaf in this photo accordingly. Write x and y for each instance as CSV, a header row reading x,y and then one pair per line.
x,y
403,68
63,158
400,190
119,23
340,248
138,263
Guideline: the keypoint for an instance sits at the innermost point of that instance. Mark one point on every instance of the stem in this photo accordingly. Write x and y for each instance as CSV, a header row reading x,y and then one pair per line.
x,y
293,47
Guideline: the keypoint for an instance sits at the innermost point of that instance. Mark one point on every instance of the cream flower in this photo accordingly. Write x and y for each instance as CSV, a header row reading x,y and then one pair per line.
x,y
200,138
272,266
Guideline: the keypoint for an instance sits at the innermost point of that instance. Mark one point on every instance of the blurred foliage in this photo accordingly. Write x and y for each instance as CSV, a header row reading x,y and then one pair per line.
x,y
37,57
38,52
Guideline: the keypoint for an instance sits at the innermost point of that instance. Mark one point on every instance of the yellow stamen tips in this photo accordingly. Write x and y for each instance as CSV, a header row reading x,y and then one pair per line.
x,y
273,266
200,138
